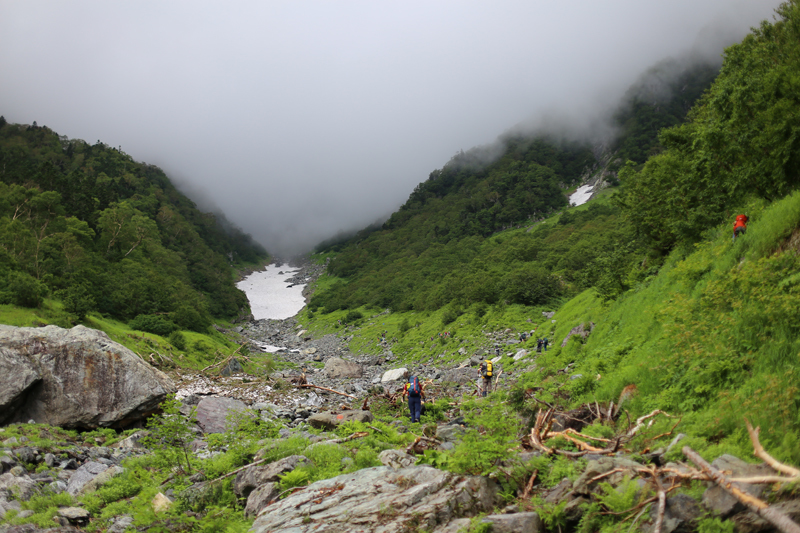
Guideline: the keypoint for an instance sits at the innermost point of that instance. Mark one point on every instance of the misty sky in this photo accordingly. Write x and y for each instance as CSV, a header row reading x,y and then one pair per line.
x,y
300,118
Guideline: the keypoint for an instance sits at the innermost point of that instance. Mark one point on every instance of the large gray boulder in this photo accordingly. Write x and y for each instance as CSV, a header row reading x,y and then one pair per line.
x,y
75,378
253,477
396,374
380,500
331,419
336,367
214,412
17,375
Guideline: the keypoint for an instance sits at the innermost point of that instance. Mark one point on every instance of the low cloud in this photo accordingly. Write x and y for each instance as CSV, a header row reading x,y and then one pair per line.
x,y
301,120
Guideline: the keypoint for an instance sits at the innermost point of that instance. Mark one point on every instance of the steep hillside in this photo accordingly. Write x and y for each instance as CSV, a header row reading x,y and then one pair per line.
x,y
91,227
437,250
701,325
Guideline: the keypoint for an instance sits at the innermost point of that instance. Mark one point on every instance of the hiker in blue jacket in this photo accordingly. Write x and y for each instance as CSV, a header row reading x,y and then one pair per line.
x,y
413,389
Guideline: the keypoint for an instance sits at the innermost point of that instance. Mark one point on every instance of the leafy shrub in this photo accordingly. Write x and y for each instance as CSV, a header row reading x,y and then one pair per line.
x,y
178,340
153,324
25,290
78,300
188,317
352,316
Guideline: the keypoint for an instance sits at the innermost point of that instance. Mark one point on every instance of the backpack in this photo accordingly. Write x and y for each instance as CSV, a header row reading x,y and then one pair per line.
x,y
413,387
487,369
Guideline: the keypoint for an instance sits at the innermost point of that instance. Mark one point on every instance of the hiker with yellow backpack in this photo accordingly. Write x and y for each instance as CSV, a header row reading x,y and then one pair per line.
x,y
486,374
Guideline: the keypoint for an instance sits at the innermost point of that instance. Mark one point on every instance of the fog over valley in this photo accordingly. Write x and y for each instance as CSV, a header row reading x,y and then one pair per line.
x,y
301,120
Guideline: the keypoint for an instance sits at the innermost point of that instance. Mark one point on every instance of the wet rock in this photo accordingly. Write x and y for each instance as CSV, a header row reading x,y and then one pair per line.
x,y
212,413
380,500
331,419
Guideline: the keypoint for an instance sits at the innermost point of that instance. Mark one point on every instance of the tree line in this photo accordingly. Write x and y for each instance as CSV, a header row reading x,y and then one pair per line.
x,y
89,226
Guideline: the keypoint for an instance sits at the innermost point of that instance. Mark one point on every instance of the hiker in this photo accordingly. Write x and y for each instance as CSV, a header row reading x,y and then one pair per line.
x,y
413,389
545,342
740,226
486,373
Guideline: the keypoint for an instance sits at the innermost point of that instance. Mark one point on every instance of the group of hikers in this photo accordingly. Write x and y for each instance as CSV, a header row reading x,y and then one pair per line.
x,y
414,390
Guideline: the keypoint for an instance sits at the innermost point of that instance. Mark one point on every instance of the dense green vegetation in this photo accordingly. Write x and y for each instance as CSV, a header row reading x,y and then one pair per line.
x,y
437,250
703,326
91,227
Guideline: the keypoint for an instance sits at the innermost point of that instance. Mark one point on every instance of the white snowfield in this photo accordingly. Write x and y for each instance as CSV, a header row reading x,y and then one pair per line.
x,y
269,294
581,196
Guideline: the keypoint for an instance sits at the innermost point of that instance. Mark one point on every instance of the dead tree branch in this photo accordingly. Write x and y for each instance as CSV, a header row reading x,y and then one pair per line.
x,y
309,385
762,454
770,514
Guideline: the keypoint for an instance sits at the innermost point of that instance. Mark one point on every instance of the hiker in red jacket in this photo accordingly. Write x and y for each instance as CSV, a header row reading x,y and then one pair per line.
x,y
740,226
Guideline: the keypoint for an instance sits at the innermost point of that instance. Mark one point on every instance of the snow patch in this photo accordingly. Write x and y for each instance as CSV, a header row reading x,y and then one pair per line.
x,y
270,295
581,196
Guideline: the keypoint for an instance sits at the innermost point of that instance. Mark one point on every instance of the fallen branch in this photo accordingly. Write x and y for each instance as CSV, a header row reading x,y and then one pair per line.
x,y
309,385
212,365
640,421
770,514
356,435
529,487
761,453
497,380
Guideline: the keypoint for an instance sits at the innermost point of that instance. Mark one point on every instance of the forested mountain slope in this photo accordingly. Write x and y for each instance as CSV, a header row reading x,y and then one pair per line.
x,y
436,249
701,325
90,226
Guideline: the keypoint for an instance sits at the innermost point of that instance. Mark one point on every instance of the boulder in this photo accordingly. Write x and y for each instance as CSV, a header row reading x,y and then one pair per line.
x,y
74,515
459,375
394,375
84,475
680,514
627,468
253,477
260,498
500,523
17,375
83,379
160,503
396,459
336,367
233,367
450,433
580,330
331,419
380,500
722,503
212,413
22,487
520,354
